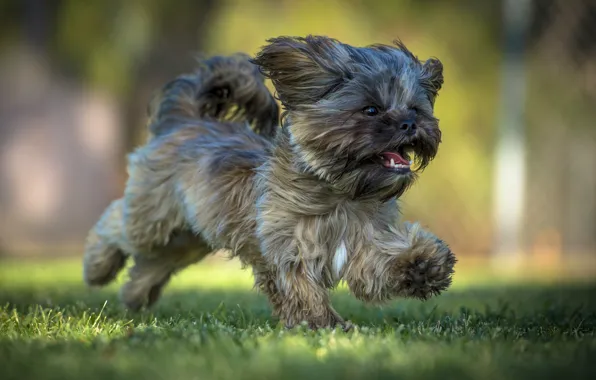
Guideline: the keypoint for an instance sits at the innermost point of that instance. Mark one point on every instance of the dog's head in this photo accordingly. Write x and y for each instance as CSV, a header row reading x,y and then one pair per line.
x,y
360,118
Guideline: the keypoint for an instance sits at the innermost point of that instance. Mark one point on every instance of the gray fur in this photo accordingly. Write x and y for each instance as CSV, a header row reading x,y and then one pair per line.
x,y
285,206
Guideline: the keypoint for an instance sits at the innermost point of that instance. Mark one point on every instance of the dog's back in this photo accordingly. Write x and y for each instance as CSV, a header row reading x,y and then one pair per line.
x,y
191,185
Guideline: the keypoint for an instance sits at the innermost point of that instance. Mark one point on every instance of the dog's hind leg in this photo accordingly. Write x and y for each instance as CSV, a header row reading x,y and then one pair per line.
x,y
152,271
103,257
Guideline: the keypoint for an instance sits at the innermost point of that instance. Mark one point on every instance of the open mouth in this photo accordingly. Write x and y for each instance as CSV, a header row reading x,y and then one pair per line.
x,y
398,160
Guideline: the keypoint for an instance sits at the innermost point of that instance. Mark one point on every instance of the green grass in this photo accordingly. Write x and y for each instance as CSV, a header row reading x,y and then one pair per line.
x,y
211,325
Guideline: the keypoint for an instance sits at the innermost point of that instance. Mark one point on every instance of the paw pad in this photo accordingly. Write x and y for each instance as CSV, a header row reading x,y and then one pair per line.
x,y
427,274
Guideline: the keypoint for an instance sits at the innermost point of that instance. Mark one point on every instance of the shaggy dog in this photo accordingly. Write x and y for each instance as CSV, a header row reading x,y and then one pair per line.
x,y
305,205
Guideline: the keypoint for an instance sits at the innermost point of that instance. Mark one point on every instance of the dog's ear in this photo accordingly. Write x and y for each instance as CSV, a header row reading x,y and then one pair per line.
x,y
304,70
432,77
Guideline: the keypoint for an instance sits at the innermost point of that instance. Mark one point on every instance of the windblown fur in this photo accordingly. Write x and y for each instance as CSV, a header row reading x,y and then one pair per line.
x,y
305,207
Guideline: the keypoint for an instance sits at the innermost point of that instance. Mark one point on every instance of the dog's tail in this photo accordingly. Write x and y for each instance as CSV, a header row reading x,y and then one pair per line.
x,y
224,88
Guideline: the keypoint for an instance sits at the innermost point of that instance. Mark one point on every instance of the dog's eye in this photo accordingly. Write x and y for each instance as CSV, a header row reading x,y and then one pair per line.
x,y
370,111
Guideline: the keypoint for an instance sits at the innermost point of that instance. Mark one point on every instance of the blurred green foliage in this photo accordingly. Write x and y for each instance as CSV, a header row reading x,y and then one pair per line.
x,y
128,48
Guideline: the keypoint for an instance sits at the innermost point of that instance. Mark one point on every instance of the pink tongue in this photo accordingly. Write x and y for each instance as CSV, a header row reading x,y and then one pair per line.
x,y
396,158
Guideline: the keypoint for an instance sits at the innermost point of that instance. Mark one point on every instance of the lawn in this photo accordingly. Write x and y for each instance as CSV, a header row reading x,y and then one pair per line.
x,y
210,324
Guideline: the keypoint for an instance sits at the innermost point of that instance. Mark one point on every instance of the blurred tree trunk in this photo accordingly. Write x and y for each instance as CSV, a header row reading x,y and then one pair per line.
x,y
171,56
562,207
510,173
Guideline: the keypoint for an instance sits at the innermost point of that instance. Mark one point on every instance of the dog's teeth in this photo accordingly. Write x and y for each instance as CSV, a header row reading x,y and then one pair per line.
x,y
392,163
410,162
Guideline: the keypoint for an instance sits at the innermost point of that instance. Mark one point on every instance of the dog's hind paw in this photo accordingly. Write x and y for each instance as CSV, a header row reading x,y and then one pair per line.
x,y
102,264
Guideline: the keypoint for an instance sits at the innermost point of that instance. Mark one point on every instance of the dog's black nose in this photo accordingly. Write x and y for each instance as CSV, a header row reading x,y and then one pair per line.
x,y
408,126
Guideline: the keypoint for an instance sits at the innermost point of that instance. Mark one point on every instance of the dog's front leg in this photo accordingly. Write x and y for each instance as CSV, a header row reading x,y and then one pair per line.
x,y
405,261
302,296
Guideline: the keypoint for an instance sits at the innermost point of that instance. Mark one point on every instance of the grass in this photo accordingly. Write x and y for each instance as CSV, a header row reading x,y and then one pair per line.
x,y
211,325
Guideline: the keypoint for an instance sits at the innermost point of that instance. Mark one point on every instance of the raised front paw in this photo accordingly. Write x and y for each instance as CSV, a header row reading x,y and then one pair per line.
x,y
424,268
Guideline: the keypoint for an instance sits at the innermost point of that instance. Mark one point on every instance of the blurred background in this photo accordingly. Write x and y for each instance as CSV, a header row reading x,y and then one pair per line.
x,y
515,178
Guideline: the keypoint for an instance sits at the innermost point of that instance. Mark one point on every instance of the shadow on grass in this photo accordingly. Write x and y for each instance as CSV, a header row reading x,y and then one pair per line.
x,y
552,306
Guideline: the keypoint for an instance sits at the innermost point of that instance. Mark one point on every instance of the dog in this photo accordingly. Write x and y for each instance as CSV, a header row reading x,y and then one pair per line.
x,y
307,198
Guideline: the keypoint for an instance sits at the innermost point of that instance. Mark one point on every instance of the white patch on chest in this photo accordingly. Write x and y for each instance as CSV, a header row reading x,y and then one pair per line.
x,y
339,259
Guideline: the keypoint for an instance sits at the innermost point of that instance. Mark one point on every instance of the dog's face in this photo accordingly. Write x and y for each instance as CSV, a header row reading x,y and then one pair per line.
x,y
360,118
